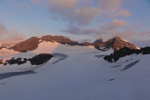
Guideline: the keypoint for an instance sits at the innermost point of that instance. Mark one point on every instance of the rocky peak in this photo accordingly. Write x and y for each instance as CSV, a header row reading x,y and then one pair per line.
x,y
116,43
33,42
120,43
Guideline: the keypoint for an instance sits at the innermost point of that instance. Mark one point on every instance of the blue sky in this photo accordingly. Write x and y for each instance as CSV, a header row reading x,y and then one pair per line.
x,y
78,19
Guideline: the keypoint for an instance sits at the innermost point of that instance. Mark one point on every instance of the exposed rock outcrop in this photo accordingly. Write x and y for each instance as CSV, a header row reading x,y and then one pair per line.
x,y
27,45
125,52
36,60
40,59
1,61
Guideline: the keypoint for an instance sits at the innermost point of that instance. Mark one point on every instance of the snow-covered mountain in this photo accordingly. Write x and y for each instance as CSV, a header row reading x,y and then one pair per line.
x,y
75,72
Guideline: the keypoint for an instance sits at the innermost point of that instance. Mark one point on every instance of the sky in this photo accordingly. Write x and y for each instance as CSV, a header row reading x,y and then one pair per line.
x,y
81,20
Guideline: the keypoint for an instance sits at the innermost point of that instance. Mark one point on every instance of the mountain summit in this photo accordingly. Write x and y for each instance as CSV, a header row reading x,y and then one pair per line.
x,y
33,42
116,43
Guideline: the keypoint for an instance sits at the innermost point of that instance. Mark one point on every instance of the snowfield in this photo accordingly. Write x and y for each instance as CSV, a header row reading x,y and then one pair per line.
x,y
78,73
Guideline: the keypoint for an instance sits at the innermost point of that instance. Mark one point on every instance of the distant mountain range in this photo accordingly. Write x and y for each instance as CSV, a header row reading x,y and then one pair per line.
x,y
32,43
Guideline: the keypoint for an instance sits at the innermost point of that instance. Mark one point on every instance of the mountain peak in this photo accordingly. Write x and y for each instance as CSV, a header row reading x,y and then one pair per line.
x,y
116,43
33,42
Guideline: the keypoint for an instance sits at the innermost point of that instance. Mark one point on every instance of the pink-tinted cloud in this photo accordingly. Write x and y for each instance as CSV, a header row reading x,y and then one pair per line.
x,y
113,8
144,33
85,16
63,3
119,28
115,24
110,5
122,29
6,34
108,29
68,10
112,27
123,12
132,35
14,34
128,34
2,29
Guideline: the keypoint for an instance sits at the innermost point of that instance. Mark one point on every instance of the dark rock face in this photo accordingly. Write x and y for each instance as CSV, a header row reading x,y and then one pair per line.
x,y
40,59
124,52
16,61
98,41
145,50
37,60
116,43
1,61
119,43
27,45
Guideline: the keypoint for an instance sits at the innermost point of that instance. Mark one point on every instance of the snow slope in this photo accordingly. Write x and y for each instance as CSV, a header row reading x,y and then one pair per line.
x,y
81,76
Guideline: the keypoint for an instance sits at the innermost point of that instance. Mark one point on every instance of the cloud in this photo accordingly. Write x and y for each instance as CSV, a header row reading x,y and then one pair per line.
x,y
6,34
88,31
115,24
14,34
113,8
144,35
58,4
112,27
67,10
75,14
85,16
123,12
110,5
122,29
107,30
2,29
132,35
72,30
119,28
79,31
128,34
